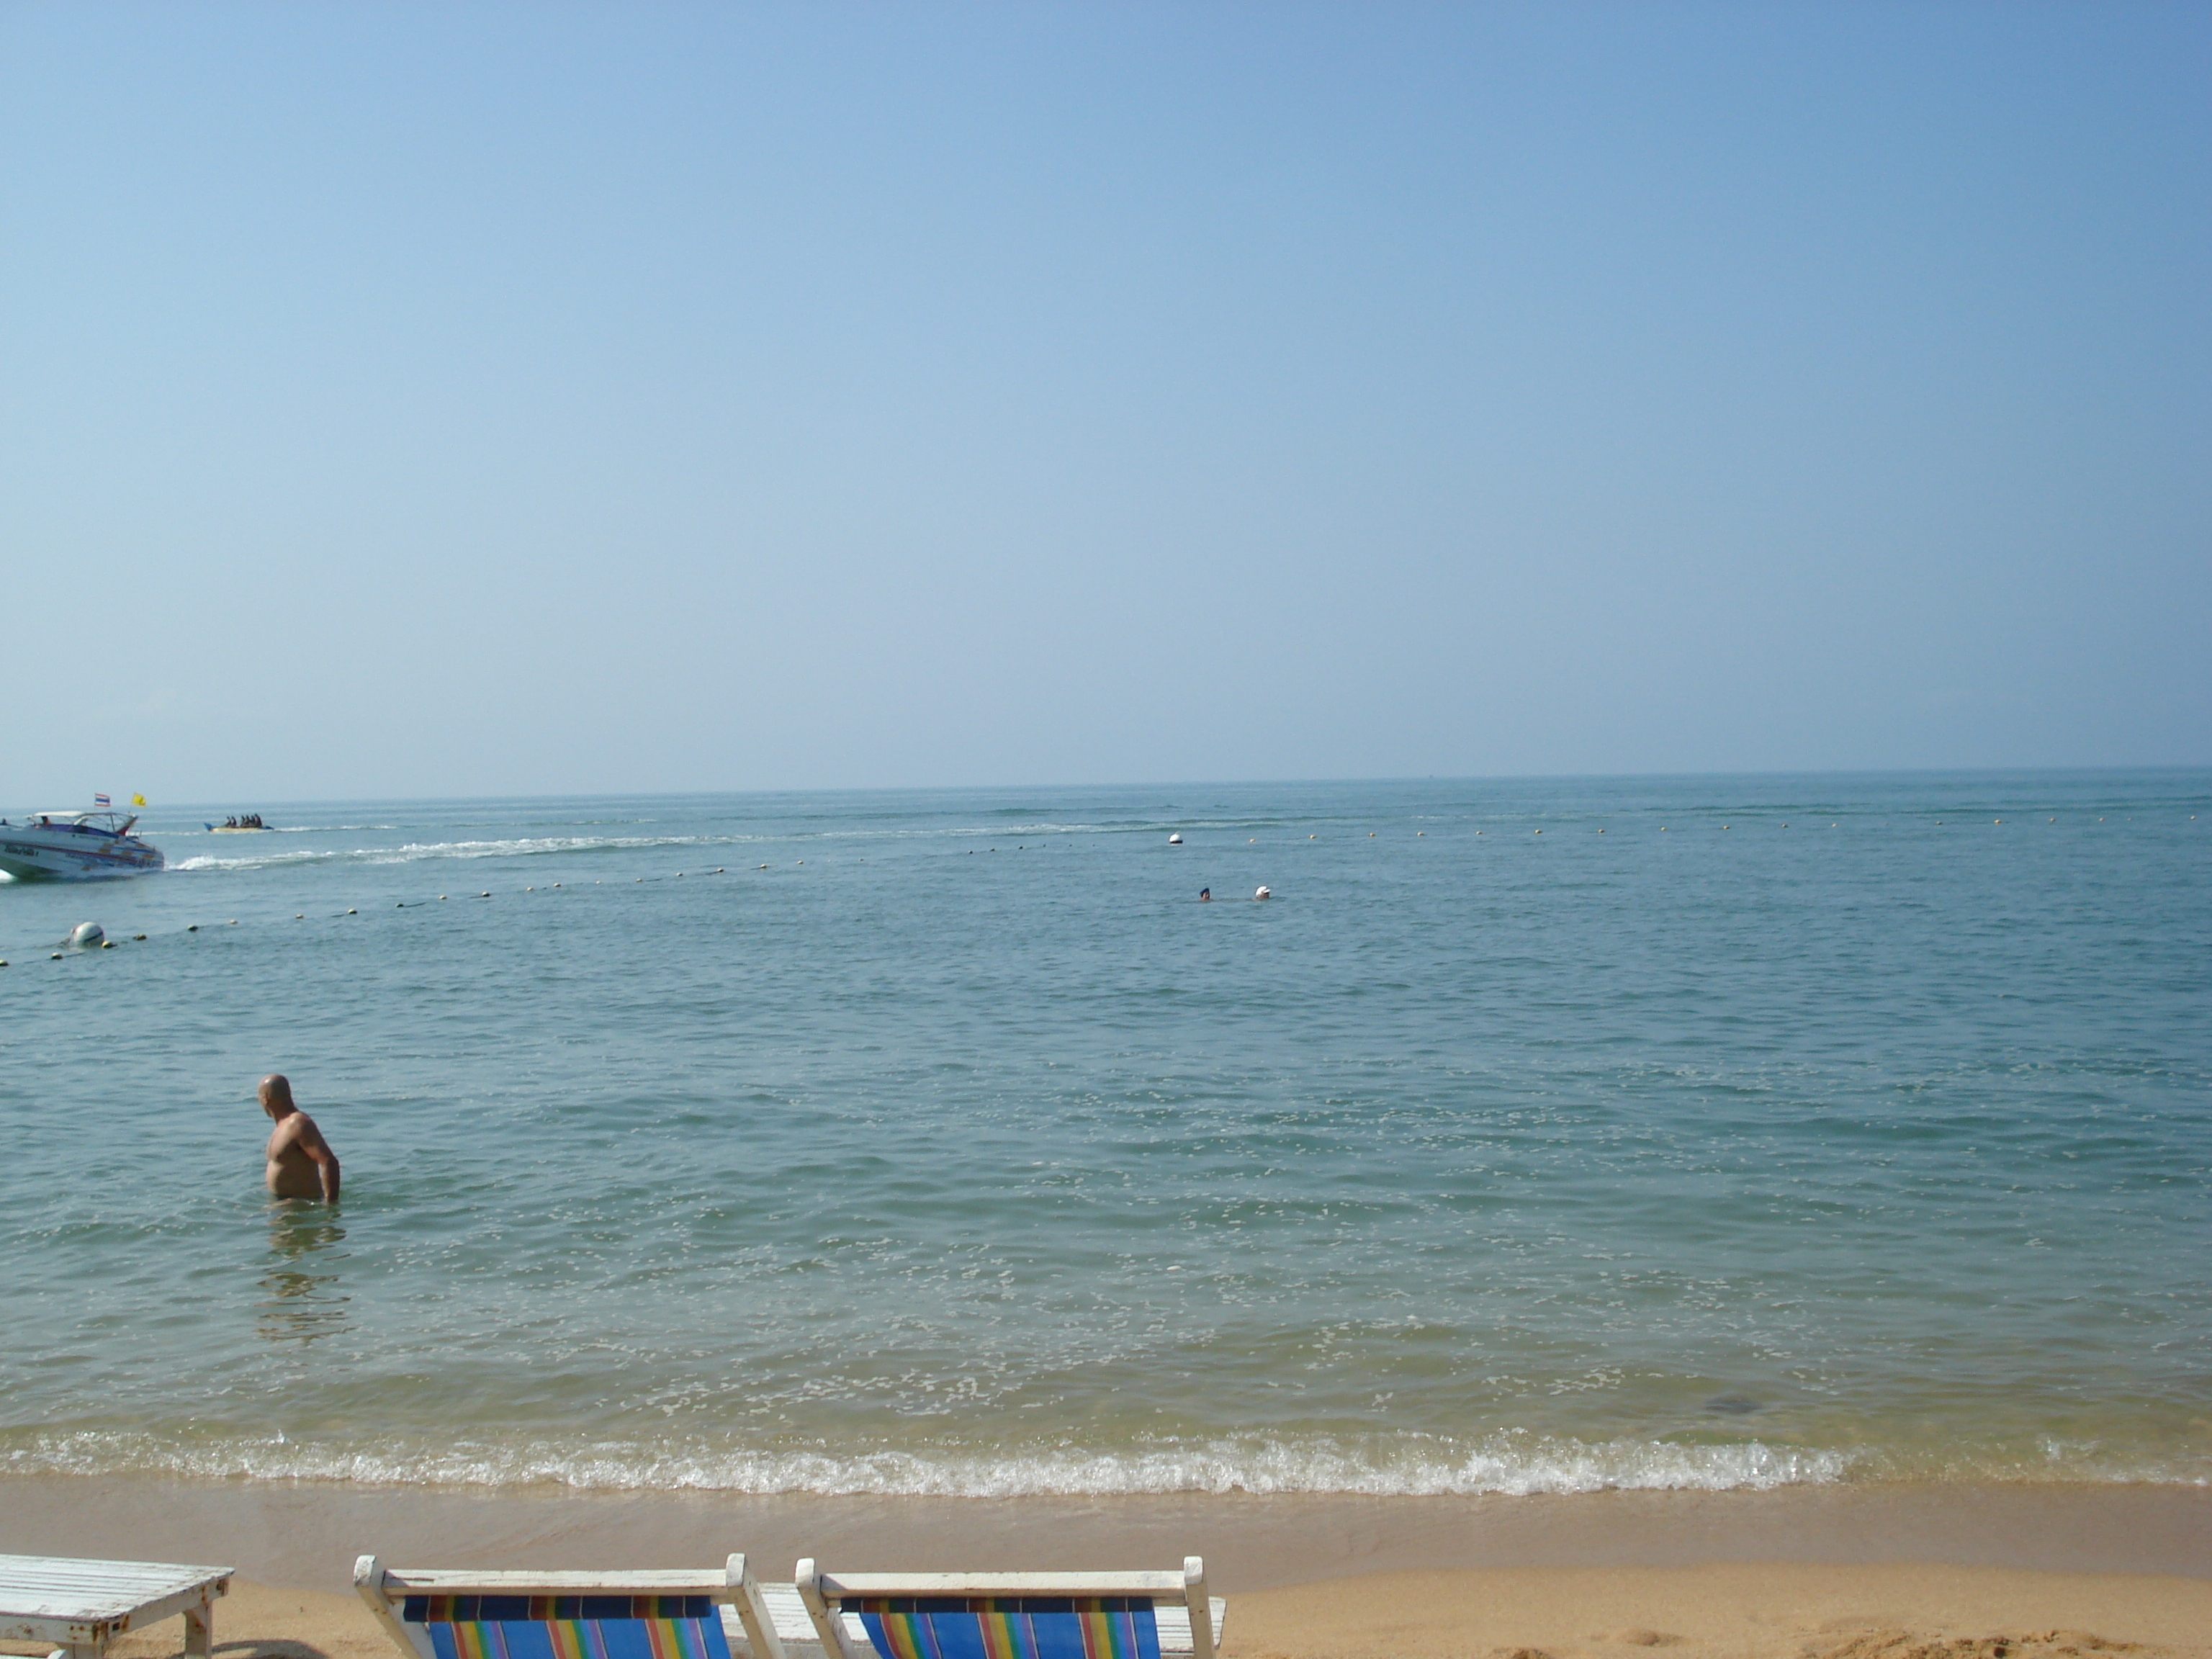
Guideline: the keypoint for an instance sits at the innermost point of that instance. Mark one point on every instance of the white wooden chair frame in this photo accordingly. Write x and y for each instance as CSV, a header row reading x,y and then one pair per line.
x,y
82,1606
825,1595
735,1587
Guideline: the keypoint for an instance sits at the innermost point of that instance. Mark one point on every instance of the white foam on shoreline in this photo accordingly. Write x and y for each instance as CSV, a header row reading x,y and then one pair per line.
x,y
1513,1463
1505,1464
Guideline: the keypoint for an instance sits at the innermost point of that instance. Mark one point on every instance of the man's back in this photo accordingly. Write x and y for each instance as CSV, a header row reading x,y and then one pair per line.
x,y
301,1164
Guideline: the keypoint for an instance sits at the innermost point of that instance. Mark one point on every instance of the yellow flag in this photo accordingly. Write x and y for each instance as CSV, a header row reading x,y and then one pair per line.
x,y
137,800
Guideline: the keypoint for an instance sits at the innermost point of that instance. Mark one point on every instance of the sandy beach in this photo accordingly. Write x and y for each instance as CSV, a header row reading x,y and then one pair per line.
x,y
1835,1573
1723,1611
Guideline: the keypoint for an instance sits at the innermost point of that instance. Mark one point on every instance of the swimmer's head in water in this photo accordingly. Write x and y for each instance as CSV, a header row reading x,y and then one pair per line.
x,y
276,1094
1205,893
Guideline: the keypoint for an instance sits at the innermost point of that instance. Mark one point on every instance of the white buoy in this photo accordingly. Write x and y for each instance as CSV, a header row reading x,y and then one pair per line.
x,y
1263,893
86,934
1175,840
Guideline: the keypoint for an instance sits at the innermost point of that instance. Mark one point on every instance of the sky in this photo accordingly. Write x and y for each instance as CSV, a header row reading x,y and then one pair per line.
x,y
500,399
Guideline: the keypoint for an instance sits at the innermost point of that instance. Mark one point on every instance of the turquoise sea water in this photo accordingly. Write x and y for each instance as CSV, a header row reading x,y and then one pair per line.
x,y
1726,1132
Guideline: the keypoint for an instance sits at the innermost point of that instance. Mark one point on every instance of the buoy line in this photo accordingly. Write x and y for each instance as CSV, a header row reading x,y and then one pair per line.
x,y
97,939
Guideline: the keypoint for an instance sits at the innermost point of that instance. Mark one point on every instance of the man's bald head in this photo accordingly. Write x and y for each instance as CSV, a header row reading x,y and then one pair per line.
x,y
276,1094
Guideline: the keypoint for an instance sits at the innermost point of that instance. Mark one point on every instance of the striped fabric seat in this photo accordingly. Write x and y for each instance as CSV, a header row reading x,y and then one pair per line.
x,y
569,1626
1007,1627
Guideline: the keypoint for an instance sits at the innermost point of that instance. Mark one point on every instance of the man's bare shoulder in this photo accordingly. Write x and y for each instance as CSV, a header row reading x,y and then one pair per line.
x,y
297,1126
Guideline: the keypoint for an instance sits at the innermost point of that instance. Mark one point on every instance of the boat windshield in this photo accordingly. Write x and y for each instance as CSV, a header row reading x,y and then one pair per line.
x,y
113,823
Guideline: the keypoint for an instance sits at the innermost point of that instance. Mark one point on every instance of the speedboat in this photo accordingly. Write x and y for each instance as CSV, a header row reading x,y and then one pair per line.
x,y
75,847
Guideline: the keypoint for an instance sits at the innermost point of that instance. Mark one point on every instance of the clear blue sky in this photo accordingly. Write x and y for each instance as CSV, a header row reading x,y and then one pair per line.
x,y
433,399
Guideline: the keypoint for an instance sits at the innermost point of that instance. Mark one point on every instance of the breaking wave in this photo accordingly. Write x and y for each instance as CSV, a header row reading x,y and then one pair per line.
x,y
1503,1464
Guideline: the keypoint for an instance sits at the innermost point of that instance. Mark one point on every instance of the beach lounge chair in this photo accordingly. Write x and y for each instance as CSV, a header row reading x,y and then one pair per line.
x,y
1013,1615
82,1606
461,1614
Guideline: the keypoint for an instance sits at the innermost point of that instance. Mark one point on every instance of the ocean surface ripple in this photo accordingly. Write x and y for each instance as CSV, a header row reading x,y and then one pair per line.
x,y
1536,1136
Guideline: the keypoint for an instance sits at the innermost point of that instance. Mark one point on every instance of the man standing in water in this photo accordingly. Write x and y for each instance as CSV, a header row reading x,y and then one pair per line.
x,y
301,1161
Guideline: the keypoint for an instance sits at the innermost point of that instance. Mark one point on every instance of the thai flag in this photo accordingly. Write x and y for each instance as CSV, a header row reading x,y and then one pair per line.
x,y
101,800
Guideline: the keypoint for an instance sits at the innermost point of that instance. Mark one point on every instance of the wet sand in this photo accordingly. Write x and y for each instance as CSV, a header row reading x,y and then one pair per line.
x,y
1908,1572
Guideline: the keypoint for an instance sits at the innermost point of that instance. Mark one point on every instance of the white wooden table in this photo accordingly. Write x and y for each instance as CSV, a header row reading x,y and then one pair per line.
x,y
82,1606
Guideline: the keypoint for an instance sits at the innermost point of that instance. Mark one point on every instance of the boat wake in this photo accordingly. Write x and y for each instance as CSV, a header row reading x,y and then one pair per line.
x,y
418,852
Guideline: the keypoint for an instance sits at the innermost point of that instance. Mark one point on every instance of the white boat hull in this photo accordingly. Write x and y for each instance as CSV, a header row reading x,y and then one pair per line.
x,y
73,852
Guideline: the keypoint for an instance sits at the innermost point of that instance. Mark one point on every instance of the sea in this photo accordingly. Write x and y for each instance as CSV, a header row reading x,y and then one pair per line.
x,y
1532,1136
